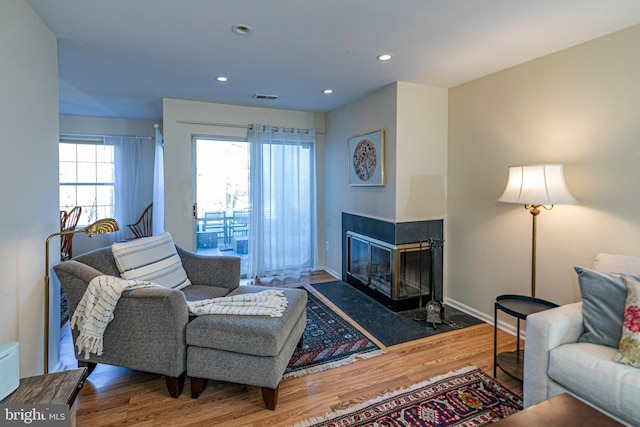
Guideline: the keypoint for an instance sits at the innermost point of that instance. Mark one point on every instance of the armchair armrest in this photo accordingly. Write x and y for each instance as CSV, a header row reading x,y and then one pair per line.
x,y
147,332
221,271
547,330
74,278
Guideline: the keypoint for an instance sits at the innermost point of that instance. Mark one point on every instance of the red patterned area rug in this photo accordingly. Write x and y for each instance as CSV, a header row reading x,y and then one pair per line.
x,y
329,342
467,397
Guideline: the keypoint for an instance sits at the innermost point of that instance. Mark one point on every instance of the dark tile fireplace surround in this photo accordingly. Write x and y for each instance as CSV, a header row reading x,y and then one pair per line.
x,y
388,260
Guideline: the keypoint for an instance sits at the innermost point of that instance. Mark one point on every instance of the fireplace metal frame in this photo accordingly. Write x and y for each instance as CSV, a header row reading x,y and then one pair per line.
x,y
393,285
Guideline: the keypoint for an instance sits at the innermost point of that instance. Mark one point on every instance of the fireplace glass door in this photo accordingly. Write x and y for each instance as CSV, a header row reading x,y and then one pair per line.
x,y
371,263
414,268
398,272
381,269
358,265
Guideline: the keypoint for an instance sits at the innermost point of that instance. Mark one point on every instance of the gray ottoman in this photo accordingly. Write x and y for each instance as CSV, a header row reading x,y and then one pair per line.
x,y
252,350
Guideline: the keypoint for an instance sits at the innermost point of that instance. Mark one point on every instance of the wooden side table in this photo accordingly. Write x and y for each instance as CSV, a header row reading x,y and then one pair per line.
x,y
563,411
56,388
519,306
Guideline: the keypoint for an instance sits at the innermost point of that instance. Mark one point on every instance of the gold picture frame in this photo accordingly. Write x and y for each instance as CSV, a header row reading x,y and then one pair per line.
x,y
366,159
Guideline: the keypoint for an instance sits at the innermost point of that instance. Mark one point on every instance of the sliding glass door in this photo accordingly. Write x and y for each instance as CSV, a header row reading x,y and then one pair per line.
x,y
255,198
222,197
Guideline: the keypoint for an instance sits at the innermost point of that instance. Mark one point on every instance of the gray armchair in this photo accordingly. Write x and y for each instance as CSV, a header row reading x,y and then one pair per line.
x,y
148,329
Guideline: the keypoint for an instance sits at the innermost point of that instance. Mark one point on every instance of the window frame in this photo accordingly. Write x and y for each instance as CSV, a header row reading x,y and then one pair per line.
x,y
90,212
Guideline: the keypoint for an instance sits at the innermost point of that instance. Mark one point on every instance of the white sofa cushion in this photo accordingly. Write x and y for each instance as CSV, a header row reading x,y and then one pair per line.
x,y
588,370
153,259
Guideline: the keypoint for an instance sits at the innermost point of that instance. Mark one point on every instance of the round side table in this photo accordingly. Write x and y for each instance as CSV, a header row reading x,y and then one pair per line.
x,y
518,306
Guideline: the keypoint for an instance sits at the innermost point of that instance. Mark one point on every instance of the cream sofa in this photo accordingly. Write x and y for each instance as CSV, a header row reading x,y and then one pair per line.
x,y
555,362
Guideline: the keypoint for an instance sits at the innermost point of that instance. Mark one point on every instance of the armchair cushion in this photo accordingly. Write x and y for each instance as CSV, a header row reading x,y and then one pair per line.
x,y
603,299
153,259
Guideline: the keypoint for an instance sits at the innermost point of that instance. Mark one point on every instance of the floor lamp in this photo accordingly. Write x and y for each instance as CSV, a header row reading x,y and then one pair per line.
x,y
536,186
101,226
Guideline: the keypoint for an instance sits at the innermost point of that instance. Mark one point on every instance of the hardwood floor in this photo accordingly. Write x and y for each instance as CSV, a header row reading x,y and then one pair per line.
x,y
114,396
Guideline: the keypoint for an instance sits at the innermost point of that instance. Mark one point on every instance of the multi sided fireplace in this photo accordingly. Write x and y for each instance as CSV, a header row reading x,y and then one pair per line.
x,y
398,272
397,264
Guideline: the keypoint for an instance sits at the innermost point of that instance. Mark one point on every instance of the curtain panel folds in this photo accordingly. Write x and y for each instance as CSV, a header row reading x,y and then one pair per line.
x,y
282,236
130,198
158,184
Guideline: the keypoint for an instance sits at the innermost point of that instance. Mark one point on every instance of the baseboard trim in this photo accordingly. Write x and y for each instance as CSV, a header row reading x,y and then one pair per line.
x,y
504,326
333,273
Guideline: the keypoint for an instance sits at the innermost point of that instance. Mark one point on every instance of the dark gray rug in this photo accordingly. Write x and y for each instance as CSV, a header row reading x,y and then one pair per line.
x,y
387,326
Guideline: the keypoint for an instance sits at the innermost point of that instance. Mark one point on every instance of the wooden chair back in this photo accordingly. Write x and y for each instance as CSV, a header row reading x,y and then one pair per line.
x,y
68,222
143,227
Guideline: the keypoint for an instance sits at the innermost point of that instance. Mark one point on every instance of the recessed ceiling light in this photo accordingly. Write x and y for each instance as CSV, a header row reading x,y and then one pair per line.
x,y
241,29
327,91
384,57
222,78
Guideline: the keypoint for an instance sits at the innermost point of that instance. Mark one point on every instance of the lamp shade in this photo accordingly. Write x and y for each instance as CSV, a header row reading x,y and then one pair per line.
x,y
537,185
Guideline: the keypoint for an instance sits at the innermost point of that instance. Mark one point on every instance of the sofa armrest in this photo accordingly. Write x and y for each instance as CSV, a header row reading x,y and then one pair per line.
x,y
547,330
220,271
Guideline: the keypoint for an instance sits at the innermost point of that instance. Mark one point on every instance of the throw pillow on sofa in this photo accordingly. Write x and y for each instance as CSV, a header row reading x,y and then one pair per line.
x,y
153,259
603,301
629,348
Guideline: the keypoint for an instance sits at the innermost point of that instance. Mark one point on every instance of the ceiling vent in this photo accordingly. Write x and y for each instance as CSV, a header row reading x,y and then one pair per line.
x,y
263,96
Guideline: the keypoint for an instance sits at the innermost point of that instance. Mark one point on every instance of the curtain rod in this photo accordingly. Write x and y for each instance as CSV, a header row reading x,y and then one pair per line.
x,y
231,125
91,135
225,125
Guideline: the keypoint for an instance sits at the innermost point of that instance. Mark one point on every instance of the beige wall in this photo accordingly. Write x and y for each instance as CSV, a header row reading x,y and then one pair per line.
x,y
421,153
179,170
29,190
578,107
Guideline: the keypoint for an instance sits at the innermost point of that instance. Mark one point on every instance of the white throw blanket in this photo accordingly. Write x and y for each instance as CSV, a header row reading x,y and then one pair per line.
x,y
95,310
266,303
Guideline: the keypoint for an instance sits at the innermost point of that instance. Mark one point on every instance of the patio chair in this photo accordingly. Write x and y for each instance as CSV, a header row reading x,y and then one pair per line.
x,y
143,227
68,222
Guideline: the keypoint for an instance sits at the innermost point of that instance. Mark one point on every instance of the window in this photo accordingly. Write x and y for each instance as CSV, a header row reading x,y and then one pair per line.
x,y
87,179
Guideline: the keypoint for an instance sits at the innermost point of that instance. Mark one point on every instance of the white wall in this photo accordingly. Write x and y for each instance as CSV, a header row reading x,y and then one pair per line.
x,y
106,126
119,127
414,118
578,107
376,111
29,176
179,168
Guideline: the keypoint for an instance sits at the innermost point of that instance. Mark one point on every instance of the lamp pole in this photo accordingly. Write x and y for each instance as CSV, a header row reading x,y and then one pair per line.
x,y
535,211
101,226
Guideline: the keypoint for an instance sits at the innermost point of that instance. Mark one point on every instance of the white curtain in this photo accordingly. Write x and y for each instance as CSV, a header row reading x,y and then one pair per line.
x,y
282,227
158,185
130,199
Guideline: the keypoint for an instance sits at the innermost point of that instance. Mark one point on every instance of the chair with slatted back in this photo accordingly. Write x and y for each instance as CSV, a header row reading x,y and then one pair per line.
x,y
68,222
143,227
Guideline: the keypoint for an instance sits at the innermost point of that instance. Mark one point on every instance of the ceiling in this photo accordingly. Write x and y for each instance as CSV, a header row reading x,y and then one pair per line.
x,y
119,58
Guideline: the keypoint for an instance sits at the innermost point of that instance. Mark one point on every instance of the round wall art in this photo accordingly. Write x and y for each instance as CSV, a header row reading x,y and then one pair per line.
x,y
366,159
